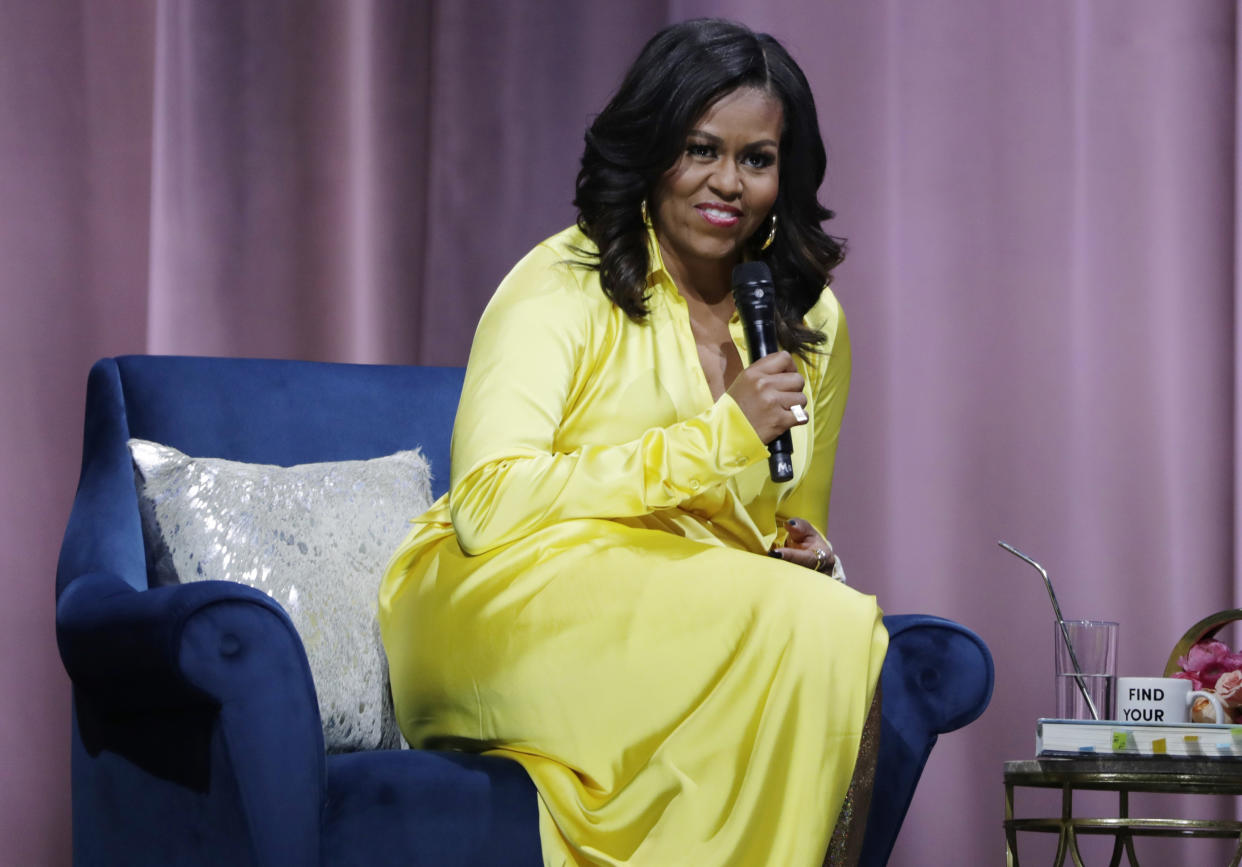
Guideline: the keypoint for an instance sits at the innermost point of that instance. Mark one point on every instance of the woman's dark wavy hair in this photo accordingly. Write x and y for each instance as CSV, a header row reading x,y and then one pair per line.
x,y
642,132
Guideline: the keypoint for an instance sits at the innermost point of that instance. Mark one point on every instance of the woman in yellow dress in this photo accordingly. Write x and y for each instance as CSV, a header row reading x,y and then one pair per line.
x,y
614,592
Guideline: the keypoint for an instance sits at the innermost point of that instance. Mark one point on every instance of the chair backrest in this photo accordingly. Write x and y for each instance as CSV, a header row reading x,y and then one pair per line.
x,y
291,412
253,410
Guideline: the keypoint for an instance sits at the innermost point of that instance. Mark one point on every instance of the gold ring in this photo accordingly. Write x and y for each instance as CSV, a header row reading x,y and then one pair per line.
x,y
820,558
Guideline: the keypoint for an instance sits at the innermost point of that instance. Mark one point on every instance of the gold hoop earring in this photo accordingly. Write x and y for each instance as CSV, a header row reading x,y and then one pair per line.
x,y
767,242
643,210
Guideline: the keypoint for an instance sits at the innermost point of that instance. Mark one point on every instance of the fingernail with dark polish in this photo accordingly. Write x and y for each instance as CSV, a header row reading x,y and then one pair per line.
x,y
776,554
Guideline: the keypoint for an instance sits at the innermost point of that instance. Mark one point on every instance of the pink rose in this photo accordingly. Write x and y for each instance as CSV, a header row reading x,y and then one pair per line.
x,y
1186,675
1203,654
1229,689
1207,661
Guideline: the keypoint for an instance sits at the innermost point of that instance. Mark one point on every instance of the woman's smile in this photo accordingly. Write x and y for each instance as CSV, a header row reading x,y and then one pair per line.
x,y
719,215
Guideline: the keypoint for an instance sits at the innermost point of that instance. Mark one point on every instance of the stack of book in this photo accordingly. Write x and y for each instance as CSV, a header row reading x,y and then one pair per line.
x,y
1075,737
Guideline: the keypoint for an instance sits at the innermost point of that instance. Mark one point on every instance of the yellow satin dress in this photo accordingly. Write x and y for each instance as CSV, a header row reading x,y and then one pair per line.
x,y
593,597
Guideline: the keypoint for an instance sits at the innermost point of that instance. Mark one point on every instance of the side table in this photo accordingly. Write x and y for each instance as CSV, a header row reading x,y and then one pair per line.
x,y
1122,775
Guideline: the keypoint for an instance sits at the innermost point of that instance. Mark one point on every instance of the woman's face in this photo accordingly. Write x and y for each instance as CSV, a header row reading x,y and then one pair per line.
x,y
720,190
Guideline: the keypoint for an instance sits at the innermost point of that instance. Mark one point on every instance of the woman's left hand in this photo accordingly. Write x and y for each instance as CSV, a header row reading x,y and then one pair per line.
x,y
806,547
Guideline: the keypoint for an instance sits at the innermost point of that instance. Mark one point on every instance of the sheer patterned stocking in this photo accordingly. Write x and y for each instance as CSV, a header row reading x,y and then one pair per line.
x,y
845,847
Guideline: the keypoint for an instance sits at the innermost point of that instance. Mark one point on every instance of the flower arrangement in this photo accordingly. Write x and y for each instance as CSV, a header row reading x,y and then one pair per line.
x,y
1211,665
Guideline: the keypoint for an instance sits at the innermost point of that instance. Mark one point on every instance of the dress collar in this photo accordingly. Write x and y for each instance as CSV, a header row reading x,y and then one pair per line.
x,y
658,276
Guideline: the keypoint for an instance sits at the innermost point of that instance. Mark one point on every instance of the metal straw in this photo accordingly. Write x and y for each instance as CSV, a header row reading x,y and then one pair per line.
x,y
1069,645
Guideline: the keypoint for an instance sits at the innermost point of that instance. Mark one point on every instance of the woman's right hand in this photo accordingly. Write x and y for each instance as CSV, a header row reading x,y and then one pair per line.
x,y
766,390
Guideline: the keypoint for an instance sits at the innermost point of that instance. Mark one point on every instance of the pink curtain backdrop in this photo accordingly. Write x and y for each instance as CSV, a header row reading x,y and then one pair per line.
x,y
1041,205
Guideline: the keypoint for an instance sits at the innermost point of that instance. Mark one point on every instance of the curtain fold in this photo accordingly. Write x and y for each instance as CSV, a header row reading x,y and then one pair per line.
x,y
75,164
1236,323
1041,203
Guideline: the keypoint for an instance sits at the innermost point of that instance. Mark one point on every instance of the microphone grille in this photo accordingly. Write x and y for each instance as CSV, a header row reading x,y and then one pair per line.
x,y
752,272
752,285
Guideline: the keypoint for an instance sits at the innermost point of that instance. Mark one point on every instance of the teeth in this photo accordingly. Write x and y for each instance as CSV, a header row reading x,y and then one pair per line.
x,y
720,215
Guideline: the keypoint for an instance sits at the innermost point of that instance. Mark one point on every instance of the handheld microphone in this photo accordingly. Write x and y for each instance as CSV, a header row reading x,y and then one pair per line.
x,y
755,298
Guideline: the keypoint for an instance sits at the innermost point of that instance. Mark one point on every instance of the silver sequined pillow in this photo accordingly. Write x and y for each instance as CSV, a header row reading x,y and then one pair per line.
x,y
314,537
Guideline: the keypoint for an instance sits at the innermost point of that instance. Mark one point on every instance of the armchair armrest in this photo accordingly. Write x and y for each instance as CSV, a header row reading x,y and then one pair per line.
x,y
205,685
937,677
123,646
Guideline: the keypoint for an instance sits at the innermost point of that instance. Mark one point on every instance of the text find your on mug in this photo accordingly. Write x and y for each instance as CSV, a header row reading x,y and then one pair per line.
x,y
1160,700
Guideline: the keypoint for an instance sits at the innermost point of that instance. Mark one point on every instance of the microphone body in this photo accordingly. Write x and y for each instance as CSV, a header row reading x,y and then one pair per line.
x,y
754,295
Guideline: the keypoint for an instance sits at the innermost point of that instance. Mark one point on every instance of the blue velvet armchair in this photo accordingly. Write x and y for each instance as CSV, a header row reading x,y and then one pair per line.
x,y
196,734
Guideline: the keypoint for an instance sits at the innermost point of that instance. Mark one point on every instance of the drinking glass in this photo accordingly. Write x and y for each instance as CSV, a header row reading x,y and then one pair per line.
x,y
1095,646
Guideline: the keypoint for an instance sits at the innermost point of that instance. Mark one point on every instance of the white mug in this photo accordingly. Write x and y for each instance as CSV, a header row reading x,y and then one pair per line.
x,y
1160,700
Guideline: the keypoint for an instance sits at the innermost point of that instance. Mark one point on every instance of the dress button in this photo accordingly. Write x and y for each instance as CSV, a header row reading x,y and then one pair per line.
x,y
694,484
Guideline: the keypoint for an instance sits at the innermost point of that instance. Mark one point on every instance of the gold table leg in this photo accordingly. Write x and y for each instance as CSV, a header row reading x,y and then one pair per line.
x,y
1067,823
1011,834
1123,839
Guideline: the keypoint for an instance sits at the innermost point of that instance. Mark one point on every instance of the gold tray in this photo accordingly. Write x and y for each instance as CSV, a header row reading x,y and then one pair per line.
x,y
1205,628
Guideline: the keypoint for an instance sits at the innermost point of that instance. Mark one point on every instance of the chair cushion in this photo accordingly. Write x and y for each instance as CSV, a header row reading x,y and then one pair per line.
x,y
314,537
420,808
